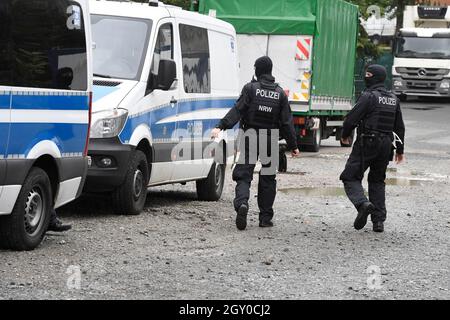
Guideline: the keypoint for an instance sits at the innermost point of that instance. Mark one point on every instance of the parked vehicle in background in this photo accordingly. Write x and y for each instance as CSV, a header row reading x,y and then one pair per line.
x,y
45,85
163,77
422,53
313,46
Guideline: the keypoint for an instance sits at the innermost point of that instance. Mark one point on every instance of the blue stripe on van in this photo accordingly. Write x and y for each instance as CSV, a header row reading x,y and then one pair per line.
x,y
164,131
99,92
51,102
70,138
4,127
5,100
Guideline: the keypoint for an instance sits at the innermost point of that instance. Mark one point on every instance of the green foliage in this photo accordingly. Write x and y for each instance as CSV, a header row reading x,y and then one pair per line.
x,y
367,48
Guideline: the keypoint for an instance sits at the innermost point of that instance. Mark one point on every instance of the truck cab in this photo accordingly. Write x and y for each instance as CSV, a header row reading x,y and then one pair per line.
x,y
422,53
45,87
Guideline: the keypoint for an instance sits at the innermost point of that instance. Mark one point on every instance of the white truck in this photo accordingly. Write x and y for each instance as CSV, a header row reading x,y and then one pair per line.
x,y
422,53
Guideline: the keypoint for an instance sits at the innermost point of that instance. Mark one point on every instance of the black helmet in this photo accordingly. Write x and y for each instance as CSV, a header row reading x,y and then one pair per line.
x,y
263,65
375,74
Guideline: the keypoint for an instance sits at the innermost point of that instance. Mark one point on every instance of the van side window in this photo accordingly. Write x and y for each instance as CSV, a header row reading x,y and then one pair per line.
x,y
43,45
163,50
196,62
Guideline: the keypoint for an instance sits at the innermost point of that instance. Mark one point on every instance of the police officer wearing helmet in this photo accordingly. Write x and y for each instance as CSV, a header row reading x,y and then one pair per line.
x,y
262,105
378,116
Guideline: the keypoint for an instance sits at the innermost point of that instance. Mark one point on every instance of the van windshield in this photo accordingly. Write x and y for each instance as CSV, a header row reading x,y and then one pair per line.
x,y
425,48
120,46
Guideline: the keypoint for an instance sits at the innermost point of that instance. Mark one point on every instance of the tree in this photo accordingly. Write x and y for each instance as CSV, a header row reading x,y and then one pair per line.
x,y
365,5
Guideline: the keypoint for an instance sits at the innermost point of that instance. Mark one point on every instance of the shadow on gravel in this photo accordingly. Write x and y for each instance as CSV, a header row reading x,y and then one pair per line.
x,y
95,206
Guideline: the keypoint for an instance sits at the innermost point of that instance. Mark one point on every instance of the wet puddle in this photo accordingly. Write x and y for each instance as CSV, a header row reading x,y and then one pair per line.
x,y
315,192
292,173
407,182
407,179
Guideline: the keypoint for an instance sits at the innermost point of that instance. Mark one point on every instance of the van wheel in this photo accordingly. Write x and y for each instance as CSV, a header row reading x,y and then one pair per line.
x,y
210,189
129,198
26,226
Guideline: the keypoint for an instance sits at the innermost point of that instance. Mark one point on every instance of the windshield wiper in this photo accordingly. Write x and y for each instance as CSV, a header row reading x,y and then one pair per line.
x,y
102,75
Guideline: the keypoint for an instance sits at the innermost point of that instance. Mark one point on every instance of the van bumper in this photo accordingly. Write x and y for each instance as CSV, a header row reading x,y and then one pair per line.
x,y
108,164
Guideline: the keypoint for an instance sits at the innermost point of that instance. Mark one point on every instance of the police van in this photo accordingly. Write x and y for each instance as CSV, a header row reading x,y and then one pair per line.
x,y
163,77
45,86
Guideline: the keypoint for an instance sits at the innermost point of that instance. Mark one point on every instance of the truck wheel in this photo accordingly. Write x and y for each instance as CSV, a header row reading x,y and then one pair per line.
x,y
282,166
210,189
129,198
316,141
26,226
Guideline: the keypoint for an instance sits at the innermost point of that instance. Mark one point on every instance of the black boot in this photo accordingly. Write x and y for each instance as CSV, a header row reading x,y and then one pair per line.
x,y
56,225
378,226
265,224
241,218
364,211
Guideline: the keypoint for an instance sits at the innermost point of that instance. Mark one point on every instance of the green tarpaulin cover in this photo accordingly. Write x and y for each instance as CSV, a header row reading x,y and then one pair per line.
x,y
265,16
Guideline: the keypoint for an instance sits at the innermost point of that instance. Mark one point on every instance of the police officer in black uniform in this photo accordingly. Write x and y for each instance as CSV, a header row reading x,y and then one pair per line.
x,y
262,105
378,116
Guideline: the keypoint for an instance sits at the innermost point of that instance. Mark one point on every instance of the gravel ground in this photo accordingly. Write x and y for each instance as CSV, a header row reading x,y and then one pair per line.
x,y
180,248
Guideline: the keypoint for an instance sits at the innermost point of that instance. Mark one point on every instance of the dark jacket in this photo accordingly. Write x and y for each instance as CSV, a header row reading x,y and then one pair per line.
x,y
363,109
238,112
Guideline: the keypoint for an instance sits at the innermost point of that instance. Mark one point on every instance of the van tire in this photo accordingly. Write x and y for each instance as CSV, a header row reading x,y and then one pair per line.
x,y
18,233
211,188
130,197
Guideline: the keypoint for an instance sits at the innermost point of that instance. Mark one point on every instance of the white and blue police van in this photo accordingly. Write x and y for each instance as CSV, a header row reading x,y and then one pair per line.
x,y
163,77
45,93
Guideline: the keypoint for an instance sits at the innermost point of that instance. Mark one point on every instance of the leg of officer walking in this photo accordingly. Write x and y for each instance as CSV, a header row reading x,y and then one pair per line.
x,y
376,179
267,189
267,185
243,173
243,176
353,175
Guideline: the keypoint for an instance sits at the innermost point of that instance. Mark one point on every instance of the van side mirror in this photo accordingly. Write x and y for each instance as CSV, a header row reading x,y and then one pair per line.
x,y
167,74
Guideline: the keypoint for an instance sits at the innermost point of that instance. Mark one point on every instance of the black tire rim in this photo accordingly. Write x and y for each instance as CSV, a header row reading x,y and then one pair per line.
x,y
34,211
138,183
218,177
318,137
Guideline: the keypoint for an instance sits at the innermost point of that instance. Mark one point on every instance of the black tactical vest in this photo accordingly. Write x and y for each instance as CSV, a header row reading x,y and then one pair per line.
x,y
382,119
265,108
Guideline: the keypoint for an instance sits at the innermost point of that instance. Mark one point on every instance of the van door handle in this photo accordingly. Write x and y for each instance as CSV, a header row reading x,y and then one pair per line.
x,y
173,103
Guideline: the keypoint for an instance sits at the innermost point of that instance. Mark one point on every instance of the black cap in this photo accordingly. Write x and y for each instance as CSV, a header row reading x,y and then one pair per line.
x,y
263,65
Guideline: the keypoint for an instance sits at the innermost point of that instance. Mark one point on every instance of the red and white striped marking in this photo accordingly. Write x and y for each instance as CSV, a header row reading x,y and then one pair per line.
x,y
303,48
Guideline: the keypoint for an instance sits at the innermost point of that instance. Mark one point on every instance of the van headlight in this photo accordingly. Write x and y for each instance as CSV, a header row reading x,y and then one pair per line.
x,y
108,124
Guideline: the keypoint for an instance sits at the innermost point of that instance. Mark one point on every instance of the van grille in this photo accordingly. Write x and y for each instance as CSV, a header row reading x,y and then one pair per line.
x,y
104,83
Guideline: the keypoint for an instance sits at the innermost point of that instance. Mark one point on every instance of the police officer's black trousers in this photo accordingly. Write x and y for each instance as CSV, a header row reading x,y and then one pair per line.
x,y
377,153
267,186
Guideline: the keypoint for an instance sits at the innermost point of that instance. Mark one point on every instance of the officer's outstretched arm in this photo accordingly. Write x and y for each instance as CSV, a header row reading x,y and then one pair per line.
x,y
355,116
399,130
235,114
287,124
